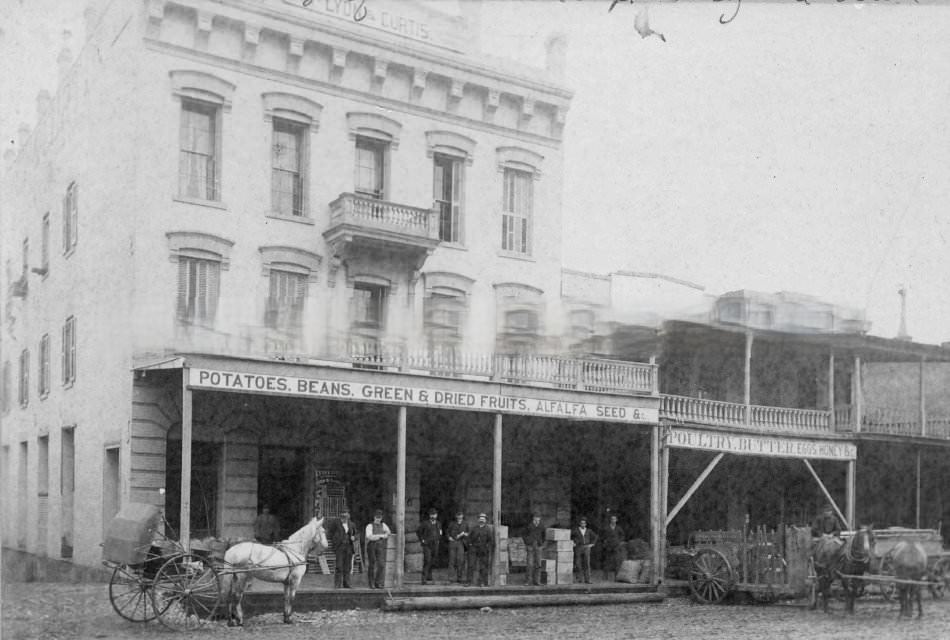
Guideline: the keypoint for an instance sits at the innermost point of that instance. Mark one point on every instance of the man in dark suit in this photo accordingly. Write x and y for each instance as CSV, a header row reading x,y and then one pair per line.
x,y
584,538
533,544
343,536
481,541
430,534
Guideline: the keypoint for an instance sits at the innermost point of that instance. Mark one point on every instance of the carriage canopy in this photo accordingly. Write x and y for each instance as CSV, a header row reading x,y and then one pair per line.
x,y
130,533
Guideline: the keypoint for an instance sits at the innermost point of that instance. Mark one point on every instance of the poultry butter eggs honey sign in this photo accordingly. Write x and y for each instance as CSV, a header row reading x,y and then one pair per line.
x,y
419,396
761,445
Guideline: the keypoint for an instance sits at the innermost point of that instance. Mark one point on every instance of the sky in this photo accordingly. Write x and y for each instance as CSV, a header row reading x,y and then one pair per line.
x,y
801,147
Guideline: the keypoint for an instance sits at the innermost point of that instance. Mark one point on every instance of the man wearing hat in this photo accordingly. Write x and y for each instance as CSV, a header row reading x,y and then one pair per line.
x,y
343,535
430,534
457,533
376,534
533,542
481,542
826,523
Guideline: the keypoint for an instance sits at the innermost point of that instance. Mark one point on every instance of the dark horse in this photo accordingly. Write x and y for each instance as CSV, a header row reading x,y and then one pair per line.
x,y
910,563
835,559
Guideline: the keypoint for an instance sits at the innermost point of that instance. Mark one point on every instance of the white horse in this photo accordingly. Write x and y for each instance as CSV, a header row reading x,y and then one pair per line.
x,y
282,562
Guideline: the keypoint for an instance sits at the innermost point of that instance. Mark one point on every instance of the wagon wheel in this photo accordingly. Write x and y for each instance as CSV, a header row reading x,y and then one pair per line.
x,y
941,575
129,594
811,582
186,593
711,577
888,589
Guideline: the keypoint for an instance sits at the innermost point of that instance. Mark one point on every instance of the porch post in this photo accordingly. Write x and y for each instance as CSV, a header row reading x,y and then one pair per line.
x,y
918,490
656,525
831,390
849,507
857,395
400,567
184,521
664,500
923,412
496,495
748,377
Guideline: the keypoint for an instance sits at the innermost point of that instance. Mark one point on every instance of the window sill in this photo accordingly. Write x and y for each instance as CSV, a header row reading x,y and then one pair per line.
x,y
44,396
516,256
297,219
69,385
453,245
70,252
201,202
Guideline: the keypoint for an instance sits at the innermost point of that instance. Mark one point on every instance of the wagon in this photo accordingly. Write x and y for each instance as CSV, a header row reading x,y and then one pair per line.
x,y
938,560
767,564
154,576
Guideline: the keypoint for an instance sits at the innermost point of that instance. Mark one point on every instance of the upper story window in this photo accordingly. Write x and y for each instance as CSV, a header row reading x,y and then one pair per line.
x,y
450,152
198,286
200,258
285,301
371,167
582,324
44,372
289,271
287,168
375,138
25,267
369,306
5,390
203,98
68,355
291,118
517,208
24,377
44,244
519,321
447,188
519,168
71,218
198,151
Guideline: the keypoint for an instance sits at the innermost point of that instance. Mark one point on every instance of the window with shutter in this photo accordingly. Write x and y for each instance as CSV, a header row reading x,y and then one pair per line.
x,y
44,244
517,208
197,290
24,377
447,187
70,218
285,301
68,356
370,167
43,386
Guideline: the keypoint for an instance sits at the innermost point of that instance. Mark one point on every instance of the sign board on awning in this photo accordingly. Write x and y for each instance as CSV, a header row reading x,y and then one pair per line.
x,y
761,445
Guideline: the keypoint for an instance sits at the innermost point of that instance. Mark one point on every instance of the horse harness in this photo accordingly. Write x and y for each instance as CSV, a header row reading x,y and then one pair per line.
x,y
291,564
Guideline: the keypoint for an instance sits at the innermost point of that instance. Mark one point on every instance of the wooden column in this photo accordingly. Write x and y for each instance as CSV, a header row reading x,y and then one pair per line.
x,y
184,522
400,567
657,525
849,507
831,390
857,395
664,500
748,377
496,495
918,490
923,406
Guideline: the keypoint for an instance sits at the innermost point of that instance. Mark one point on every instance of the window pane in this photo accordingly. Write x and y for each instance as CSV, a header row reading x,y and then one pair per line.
x,y
198,148
370,156
197,290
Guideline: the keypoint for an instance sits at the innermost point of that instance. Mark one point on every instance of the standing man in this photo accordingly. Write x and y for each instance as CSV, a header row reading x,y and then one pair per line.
x,y
533,542
457,533
613,547
481,541
430,533
376,534
343,536
266,527
583,538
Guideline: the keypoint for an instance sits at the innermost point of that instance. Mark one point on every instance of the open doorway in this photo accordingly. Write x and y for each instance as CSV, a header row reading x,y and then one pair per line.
x,y
282,486
438,487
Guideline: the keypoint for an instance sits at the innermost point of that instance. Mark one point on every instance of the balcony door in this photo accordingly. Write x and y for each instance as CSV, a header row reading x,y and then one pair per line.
x,y
370,168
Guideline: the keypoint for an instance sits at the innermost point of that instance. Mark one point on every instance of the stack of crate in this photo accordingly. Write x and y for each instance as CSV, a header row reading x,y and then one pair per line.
x,y
558,563
501,556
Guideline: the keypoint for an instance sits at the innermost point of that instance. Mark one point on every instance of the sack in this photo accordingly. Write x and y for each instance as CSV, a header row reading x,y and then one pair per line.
x,y
630,571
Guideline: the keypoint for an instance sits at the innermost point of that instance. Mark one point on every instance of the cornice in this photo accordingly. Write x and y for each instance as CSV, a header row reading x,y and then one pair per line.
x,y
328,88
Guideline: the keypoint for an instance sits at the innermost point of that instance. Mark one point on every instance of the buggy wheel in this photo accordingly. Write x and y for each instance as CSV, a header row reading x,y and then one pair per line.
x,y
129,593
888,589
941,577
710,576
186,592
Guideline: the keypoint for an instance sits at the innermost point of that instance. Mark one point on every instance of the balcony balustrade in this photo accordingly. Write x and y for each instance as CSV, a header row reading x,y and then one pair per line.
x,y
359,218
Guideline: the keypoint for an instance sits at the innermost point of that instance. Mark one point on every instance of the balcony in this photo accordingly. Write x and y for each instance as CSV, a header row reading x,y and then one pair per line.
x,y
358,223
682,409
599,376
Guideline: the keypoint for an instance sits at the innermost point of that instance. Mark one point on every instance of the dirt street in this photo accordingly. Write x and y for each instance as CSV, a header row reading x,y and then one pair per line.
x,y
61,611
